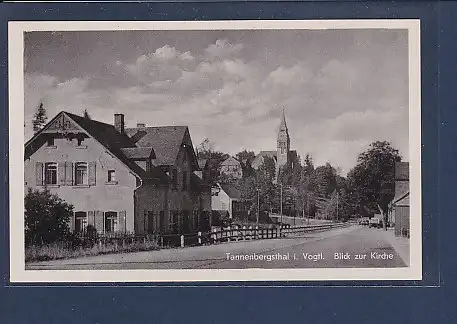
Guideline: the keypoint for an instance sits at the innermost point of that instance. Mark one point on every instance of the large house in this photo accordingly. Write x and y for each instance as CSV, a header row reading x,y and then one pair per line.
x,y
136,180
283,156
400,203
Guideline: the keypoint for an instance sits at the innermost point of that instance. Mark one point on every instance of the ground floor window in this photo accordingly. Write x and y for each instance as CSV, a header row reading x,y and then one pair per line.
x,y
80,221
110,221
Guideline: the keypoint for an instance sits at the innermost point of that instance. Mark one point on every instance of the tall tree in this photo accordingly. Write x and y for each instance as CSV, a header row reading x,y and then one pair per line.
x,y
39,118
86,114
372,180
205,150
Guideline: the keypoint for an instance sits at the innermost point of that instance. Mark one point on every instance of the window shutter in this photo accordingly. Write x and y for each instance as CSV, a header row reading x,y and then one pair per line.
x,y
121,221
92,173
99,222
39,173
61,173
91,218
69,173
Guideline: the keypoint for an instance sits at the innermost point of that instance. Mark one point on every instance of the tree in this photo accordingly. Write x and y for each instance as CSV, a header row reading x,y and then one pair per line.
x,y
46,217
372,180
39,119
86,114
245,155
205,150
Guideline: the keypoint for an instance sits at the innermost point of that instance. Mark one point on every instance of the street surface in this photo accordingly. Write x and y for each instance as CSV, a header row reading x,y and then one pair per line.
x,y
351,247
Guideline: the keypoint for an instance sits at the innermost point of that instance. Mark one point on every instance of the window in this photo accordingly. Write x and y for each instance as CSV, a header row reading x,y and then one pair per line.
x,y
111,176
50,173
184,180
80,221
50,141
110,221
81,173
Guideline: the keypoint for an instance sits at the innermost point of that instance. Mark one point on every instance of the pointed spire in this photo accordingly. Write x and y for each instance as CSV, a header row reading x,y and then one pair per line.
x,y
283,124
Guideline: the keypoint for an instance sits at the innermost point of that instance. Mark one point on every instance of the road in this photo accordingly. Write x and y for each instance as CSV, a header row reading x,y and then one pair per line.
x,y
352,247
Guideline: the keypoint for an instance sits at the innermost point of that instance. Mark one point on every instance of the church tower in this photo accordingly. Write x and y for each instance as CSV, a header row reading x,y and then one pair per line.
x,y
283,144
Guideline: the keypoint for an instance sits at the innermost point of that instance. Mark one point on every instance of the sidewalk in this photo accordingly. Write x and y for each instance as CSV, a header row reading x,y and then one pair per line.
x,y
400,244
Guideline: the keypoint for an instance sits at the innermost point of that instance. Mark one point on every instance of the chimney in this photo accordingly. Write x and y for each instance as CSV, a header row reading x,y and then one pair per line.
x,y
140,125
119,123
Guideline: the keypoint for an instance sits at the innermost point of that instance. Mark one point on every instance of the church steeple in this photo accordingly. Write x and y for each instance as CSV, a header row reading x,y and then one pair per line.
x,y
283,142
283,125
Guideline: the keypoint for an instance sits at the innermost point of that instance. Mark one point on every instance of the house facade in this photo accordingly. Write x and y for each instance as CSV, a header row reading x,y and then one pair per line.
x,y
400,203
138,180
231,167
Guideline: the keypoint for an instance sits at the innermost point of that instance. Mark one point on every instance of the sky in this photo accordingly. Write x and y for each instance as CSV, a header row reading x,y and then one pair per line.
x,y
340,89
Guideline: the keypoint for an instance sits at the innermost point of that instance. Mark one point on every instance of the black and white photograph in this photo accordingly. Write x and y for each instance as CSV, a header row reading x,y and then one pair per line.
x,y
215,151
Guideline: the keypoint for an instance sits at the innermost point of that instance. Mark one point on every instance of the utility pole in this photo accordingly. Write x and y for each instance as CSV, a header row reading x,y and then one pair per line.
x,y
258,205
307,205
280,207
337,206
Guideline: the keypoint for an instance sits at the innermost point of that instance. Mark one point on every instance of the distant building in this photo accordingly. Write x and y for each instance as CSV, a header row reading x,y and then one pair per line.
x,y
282,156
137,180
400,203
231,167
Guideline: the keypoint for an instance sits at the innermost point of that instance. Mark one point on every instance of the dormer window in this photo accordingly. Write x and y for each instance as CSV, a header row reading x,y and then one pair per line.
x,y
50,141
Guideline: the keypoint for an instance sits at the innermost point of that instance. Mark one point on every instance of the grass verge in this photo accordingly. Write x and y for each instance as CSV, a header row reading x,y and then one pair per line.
x,y
57,251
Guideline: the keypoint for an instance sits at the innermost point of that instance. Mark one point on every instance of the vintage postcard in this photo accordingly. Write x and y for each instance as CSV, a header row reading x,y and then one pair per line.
x,y
215,151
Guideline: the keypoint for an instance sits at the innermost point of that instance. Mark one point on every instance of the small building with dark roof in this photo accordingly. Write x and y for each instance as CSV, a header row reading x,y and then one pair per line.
x,y
400,203
131,180
229,198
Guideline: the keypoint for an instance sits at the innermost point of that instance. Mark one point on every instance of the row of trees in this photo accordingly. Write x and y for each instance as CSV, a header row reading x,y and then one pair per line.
x,y
315,191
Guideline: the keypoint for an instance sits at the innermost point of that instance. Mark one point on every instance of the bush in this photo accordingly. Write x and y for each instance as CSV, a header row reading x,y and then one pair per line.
x,y
46,218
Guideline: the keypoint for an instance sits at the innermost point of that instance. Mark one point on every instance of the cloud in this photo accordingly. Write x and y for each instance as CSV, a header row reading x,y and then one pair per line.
x,y
223,48
334,107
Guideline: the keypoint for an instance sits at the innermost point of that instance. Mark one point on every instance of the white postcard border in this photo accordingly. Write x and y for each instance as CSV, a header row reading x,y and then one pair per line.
x,y
18,274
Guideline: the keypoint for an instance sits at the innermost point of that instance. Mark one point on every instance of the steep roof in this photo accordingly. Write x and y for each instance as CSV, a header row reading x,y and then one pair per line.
x,y
231,191
258,160
165,140
138,153
230,161
112,140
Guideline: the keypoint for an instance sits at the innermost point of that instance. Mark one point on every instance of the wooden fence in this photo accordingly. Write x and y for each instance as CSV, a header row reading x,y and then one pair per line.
x,y
245,233
232,233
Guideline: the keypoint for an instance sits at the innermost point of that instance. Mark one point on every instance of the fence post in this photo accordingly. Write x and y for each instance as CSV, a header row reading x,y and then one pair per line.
x,y
256,232
278,232
214,236
237,233
182,240
161,240
229,234
244,233
199,238
250,232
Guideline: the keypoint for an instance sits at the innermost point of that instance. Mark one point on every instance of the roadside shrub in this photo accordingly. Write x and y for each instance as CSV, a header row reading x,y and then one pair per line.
x,y
46,218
